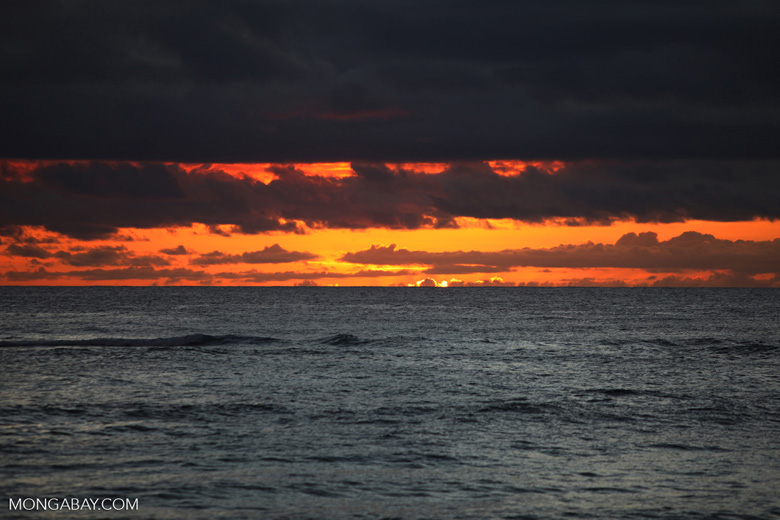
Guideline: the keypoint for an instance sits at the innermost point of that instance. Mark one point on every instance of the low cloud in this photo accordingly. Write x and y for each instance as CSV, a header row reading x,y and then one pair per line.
x,y
262,277
28,251
108,256
87,257
108,275
492,282
27,235
274,254
179,250
688,251
172,275
718,279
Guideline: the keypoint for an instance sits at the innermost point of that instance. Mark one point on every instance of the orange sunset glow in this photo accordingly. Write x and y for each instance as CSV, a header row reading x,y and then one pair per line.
x,y
488,144
339,233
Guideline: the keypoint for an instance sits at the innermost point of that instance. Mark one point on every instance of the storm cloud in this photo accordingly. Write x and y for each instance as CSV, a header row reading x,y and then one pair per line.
x,y
83,199
322,80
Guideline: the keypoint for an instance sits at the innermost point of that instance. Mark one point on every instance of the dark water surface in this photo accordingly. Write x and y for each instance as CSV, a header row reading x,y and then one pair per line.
x,y
404,403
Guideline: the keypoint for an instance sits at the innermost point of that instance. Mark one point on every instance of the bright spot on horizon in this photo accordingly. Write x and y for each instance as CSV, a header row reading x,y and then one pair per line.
x,y
428,282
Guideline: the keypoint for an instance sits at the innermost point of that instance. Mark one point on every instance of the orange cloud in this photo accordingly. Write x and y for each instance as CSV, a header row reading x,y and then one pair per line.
x,y
92,200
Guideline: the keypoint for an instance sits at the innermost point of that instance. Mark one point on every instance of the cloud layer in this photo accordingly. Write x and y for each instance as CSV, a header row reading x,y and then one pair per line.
x,y
690,251
274,254
319,80
690,259
94,199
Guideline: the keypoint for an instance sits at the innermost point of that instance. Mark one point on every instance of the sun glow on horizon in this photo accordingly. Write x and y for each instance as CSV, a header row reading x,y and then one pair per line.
x,y
317,251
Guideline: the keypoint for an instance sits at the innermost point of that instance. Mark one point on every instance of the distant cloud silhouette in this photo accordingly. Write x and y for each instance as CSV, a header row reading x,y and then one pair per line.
x,y
27,250
174,251
274,254
172,275
688,251
107,256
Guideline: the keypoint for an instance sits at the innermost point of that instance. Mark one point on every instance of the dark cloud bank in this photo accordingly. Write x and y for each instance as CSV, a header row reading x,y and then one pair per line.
x,y
317,80
274,254
94,199
689,251
102,256
182,274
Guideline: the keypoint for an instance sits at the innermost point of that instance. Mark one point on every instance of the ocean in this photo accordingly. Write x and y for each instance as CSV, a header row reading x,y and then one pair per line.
x,y
410,403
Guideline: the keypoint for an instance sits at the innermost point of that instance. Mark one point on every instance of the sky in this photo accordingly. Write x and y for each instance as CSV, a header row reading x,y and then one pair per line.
x,y
346,142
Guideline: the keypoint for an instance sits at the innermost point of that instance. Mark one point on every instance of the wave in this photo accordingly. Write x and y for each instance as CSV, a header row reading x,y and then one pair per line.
x,y
139,411
189,340
685,447
195,340
343,340
615,392
350,340
747,349
205,340
519,405
717,345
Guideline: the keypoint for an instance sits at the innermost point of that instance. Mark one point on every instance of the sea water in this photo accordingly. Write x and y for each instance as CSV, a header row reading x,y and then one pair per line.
x,y
392,402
